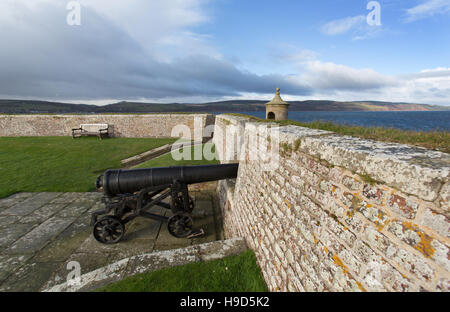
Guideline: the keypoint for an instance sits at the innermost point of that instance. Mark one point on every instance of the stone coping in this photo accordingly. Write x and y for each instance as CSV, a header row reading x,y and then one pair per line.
x,y
412,170
152,262
234,119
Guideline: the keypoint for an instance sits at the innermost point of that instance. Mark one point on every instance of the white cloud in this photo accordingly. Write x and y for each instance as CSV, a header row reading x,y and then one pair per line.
x,y
340,82
342,26
330,76
150,50
427,87
357,26
134,49
429,73
159,25
426,9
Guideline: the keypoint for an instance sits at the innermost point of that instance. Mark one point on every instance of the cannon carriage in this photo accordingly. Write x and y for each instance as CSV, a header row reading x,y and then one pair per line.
x,y
132,193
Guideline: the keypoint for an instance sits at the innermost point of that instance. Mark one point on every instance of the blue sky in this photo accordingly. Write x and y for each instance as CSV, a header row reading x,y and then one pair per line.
x,y
205,50
252,33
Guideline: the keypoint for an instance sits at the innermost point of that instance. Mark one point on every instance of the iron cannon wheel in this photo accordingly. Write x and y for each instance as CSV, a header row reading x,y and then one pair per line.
x,y
109,230
180,225
180,205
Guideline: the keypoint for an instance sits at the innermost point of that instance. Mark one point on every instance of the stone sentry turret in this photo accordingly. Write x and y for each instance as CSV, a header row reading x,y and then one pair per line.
x,y
277,109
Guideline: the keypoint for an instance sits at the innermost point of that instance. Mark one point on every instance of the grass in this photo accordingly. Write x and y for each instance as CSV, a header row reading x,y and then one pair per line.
x,y
167,159
231,274
62,164
435,140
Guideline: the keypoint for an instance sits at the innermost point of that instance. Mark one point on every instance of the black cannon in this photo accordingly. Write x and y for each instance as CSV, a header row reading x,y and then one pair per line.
x,y
132,193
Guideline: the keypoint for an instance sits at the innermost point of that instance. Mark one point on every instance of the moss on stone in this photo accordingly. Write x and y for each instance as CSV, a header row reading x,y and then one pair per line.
x,y
286,149
297,144
368,179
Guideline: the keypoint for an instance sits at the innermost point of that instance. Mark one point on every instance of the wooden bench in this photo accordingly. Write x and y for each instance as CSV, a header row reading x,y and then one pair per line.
x,y
100,130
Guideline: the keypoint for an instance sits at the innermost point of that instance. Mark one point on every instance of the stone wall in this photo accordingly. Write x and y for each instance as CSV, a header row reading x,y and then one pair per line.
x,y
131,126
339,213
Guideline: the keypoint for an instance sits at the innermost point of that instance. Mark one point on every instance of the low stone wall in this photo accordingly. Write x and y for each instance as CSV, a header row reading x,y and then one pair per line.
x,y
129,126
339,213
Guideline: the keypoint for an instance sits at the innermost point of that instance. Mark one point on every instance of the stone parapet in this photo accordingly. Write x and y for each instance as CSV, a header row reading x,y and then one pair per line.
x,y
340,213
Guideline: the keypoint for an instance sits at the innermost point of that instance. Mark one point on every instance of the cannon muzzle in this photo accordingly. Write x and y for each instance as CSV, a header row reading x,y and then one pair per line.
x,y
115,182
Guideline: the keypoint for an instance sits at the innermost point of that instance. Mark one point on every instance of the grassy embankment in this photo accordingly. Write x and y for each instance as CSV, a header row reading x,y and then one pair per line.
x,y
435,140
167,159
231,274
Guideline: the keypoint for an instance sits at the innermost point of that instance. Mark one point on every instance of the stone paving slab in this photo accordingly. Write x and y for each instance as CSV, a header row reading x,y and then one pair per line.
x,y
40,236
66,243
42,214
14,199
6,221
30,204
30,277
11,263
40,233
12,233
75,197
75,209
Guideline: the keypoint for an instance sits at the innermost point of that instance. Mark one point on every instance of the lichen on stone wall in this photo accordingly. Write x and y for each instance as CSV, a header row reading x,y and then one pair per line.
x,y
344,214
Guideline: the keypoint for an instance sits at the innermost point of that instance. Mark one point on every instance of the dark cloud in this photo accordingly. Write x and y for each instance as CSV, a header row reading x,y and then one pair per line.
x,y
43,57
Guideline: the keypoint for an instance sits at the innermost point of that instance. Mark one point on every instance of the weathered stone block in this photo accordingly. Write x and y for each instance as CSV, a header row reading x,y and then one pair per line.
x,y
335,175
443,285
352,183
412,170
444,197
354,220
436,221
406,207
373,194
374,214
427,245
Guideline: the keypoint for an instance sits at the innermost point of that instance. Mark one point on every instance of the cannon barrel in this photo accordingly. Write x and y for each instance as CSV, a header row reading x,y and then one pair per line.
x,y
115,182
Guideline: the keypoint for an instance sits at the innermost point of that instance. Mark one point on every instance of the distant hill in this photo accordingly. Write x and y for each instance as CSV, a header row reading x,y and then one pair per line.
x,y
36,107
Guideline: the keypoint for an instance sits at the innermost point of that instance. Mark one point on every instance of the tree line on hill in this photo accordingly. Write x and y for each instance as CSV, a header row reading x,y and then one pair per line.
x,y
44,107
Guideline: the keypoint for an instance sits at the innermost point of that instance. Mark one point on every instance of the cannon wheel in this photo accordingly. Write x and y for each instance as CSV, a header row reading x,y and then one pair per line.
x,y
180,205
109,230
180,225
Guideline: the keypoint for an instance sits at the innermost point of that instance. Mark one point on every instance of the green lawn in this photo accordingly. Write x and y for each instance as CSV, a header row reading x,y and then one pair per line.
x,y
62,164
167,159
231,274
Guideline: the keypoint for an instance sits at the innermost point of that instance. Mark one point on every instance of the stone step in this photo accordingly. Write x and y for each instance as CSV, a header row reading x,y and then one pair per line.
x,y
152,262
